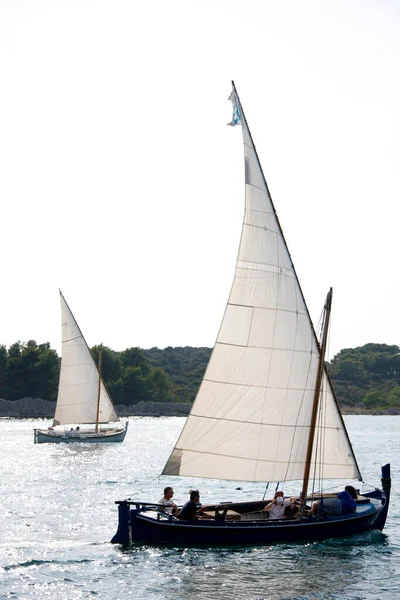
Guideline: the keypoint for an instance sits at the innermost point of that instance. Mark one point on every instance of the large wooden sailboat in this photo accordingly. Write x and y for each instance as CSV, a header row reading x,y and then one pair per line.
x,y
266,409
84,410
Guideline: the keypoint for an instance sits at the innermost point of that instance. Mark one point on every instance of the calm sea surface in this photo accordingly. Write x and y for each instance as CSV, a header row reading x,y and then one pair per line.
x,y
57,515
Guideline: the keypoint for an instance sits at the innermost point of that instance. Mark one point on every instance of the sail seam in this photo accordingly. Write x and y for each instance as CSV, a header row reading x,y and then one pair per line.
x,y
285,310
264,460
257,187
72,339
88,383
275,387
287,271
263,227
82,364
265,347
281,271
263,212
261,423
83,403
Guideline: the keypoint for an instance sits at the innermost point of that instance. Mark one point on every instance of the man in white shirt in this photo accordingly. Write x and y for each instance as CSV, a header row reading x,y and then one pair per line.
x,y
166,500
276,508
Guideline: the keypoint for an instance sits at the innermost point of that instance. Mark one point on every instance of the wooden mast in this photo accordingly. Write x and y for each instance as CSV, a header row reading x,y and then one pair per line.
x,y
317,392
99,389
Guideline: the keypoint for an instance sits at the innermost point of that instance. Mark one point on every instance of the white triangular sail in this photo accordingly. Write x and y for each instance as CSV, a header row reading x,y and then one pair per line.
x,y
79,379
251,417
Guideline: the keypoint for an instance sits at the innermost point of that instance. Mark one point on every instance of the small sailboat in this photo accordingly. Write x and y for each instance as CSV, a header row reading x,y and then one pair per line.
x,y
84,410
266,410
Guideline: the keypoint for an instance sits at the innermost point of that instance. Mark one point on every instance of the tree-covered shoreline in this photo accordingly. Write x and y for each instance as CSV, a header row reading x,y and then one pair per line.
x,y
366,379
31,370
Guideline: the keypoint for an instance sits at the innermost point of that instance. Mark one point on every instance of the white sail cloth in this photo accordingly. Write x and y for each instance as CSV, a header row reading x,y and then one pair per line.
x,y
251,417
79,379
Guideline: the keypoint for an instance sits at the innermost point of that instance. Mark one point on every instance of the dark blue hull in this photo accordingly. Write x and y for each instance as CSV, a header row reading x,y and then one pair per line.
x,y
141,525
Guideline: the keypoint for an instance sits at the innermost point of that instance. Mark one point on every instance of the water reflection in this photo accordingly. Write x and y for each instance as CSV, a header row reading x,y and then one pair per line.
x,y
57,509
277,572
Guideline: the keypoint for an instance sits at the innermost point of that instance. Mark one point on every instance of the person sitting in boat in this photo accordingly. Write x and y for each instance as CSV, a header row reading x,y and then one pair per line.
x,y
348,498
344,503
277,507
192,509
166,500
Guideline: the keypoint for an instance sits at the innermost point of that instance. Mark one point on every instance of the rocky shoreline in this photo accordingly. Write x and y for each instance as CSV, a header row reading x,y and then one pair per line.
x,y
36,408
365,411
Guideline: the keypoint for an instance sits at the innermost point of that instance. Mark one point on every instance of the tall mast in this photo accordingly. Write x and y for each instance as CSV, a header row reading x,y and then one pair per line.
x,y
320,372
99,389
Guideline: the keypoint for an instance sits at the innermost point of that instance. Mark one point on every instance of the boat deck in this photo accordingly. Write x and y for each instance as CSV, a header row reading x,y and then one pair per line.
x,y
365,506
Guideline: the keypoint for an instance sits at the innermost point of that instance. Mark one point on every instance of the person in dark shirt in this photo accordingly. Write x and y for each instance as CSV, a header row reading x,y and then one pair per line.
x,y
343,503
191,509
347,498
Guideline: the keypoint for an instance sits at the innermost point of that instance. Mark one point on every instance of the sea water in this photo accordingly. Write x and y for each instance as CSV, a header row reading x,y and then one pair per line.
x,y
57,516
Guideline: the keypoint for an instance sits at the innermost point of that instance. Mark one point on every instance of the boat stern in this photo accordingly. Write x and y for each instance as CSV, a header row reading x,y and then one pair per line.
x,y
124,531
384,496
386,485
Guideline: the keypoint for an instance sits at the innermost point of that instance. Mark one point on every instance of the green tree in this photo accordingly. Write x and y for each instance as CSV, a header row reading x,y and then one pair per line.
x,y
116,390
32,371
135,385
351,370
111,363
3,370
374,399
14,374
160,385
135,357
394,397
185,367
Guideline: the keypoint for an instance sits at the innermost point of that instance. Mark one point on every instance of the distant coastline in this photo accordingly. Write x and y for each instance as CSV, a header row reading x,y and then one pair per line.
x,y
36,408
366,379
365,411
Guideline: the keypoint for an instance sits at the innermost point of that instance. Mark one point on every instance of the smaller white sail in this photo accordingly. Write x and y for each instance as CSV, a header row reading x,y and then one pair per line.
x,y
79,379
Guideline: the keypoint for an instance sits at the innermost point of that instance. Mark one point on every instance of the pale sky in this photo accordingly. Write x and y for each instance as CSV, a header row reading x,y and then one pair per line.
x,y
121,184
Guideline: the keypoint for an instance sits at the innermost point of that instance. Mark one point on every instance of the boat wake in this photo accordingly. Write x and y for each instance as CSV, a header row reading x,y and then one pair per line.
x,y
37,563
363,539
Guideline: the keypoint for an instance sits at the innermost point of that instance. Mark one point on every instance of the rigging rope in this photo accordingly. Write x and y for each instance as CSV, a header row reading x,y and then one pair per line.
x,y
145,486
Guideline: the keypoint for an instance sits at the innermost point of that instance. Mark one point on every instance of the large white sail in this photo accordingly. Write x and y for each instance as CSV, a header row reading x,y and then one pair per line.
x,y
79,379
251,417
